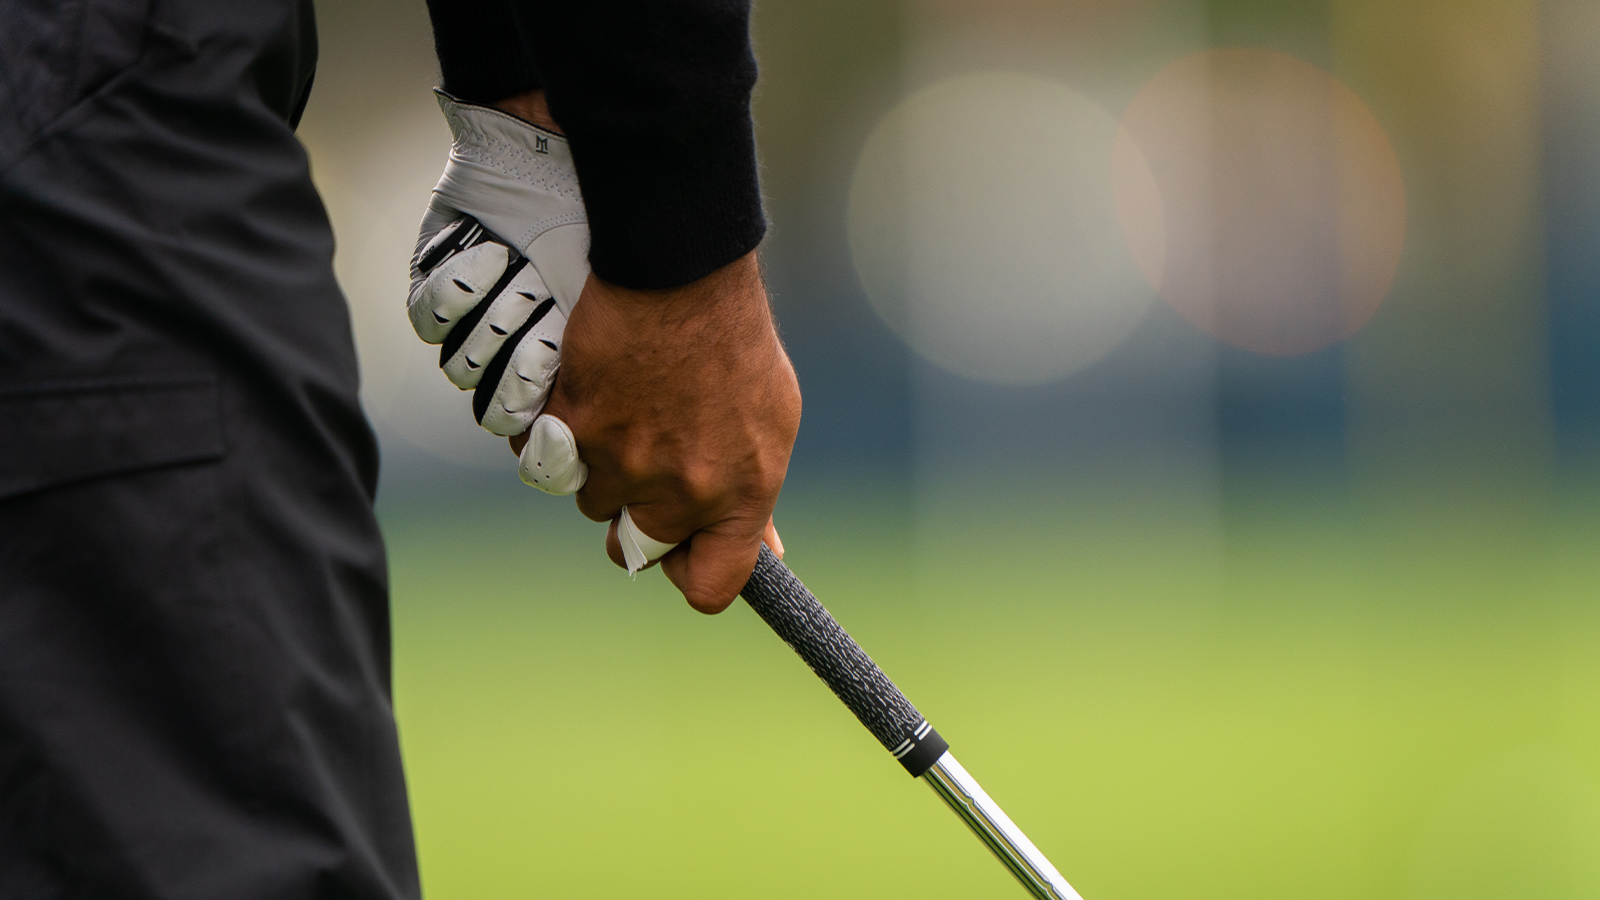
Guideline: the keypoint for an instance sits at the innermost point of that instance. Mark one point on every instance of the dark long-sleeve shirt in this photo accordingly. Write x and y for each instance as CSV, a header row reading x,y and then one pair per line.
x,y
654,96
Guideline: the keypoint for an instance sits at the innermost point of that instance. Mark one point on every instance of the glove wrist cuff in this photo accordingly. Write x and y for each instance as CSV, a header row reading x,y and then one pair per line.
x,y
517,178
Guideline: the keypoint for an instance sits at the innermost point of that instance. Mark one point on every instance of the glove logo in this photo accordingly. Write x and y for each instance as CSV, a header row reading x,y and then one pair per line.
x,y
541,144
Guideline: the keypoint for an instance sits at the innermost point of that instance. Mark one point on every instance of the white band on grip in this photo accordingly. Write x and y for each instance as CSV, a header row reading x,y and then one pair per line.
x,y
638,549
550,463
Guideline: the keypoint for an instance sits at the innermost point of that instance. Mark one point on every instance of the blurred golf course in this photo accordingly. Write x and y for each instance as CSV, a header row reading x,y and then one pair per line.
x,y
1309,699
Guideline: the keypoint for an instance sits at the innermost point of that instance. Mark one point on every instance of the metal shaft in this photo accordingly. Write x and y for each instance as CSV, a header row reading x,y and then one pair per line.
x,y
805,625
990,823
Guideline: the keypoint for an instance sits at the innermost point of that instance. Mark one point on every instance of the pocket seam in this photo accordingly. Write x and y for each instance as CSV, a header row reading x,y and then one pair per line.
x,y
67,432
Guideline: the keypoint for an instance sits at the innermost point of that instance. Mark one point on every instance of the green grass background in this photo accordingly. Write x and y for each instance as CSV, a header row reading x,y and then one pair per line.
x,y
1270,698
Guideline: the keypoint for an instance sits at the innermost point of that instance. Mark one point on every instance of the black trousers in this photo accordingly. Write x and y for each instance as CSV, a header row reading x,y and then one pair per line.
x,y
194,623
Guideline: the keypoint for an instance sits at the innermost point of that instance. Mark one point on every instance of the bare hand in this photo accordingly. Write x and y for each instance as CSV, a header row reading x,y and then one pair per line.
x,y
685,408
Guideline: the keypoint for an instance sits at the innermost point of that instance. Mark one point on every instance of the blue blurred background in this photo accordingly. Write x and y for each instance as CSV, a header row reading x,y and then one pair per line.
x,y
1202,426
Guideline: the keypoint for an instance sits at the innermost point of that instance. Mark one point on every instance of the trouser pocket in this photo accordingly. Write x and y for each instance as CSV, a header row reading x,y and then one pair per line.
x,y
61,433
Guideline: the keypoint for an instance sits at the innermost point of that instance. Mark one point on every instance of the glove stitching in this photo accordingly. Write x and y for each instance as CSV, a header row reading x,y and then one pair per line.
x,y
506,157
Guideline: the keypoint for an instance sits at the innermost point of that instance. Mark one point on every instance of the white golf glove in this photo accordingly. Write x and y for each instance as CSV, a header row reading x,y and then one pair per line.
x,y
501,258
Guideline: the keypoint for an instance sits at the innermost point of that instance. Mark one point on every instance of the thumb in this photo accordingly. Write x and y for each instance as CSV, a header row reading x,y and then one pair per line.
x,y
712,566
771,539
549,460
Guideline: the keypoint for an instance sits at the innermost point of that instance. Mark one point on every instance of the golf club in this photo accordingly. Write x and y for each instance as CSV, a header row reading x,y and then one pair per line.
x,y
811,631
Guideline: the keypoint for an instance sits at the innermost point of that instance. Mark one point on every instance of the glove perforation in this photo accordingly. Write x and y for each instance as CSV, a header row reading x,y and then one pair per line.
x,y
489,385
463,329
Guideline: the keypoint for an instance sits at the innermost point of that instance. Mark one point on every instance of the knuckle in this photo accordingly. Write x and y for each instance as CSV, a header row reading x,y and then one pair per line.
x,y
590,507
701,486
633,462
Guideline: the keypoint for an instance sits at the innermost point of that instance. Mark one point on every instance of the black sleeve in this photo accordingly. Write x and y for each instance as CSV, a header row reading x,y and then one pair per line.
x,y
654,96
482,57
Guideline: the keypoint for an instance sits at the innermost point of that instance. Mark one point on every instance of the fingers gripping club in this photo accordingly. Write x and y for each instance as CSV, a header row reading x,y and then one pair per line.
x,y
550,463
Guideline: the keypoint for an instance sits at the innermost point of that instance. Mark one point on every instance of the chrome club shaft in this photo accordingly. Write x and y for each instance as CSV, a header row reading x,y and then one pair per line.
x,y
961,792
811,631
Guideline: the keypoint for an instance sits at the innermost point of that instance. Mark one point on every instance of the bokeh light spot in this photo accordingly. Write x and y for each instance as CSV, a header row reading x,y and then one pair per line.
x,y
984,228
1279,215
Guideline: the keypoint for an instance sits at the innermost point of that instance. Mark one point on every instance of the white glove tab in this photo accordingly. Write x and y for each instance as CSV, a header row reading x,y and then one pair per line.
x,y
638,549
550,463
500,261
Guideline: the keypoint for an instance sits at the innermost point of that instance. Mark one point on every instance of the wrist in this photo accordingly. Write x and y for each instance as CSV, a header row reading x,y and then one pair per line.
x,y
531,107
730,302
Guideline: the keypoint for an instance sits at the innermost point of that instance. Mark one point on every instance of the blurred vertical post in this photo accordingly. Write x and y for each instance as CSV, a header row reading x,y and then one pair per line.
x,y
1571,104
1448,393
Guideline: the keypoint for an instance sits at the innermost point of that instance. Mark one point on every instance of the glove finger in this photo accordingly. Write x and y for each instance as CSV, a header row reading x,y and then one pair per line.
x,y
440,221
444,233
458,234
480,334
550,458
455,288
516,382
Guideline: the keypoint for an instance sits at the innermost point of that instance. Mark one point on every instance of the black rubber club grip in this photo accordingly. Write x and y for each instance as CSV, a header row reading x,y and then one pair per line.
x,y
810,630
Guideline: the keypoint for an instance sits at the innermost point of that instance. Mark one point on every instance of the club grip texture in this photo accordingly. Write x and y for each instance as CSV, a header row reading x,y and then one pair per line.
x,y
811,631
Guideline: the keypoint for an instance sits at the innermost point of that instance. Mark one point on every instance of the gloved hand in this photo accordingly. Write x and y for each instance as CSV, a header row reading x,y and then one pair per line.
x,y
500,261
501,258
683,399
